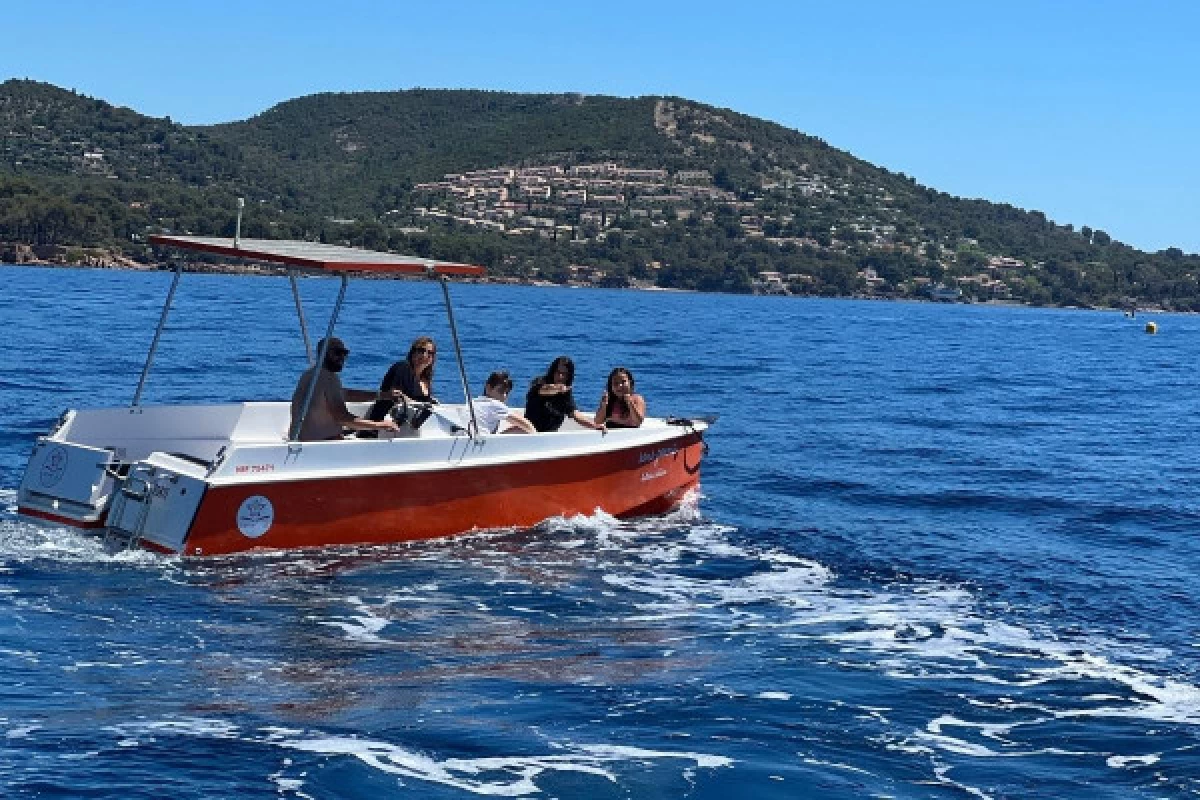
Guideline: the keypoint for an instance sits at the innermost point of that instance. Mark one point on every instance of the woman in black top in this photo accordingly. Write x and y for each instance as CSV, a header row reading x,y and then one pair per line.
x,y
550,399
411,379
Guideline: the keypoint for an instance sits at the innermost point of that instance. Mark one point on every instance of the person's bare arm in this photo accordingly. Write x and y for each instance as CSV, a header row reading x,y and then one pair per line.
x,y
337,408
360,424
519,424
348,420
359,395
602,410
583,420
637,408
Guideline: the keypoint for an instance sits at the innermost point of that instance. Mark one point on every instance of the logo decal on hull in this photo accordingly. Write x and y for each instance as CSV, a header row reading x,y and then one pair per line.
x,y
255,516
655,455
54,466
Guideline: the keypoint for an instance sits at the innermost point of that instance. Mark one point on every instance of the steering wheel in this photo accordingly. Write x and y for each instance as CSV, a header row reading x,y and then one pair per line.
x,y
414,413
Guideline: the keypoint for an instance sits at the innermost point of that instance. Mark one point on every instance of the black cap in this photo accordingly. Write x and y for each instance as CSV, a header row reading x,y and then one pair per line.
x,y
335,345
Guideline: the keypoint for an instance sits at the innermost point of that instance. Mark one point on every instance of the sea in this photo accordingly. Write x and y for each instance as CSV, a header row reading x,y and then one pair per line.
x,y
940,551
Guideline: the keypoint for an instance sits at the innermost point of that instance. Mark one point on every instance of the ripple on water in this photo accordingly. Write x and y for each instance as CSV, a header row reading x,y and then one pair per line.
x,y
942,551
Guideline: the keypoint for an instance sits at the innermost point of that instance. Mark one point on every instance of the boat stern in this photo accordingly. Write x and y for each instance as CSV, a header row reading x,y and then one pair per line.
x,y
68,483
156,503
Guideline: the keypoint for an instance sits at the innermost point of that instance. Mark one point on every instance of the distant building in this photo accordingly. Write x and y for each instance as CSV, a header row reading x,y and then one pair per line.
x,y
642,174
700,176
871,278
770,283
1005,262
945,294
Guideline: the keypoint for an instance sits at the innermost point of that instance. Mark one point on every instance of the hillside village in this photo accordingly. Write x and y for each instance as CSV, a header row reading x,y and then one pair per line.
x,y
580,203
586,190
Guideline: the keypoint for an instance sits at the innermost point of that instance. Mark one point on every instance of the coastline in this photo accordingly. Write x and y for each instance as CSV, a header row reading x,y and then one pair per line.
x,y
273,271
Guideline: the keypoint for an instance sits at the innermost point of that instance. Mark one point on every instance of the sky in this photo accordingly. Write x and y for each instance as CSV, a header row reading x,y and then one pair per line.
x,y
1086,110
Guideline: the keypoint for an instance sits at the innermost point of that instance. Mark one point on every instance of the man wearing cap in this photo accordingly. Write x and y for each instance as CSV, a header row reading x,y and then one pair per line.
x,y
328,415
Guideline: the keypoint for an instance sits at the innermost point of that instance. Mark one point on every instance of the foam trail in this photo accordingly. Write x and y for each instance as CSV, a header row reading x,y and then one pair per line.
x,y
495,776
462,773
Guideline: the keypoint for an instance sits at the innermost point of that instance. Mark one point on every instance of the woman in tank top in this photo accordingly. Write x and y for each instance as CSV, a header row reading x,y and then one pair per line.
x,y
619,406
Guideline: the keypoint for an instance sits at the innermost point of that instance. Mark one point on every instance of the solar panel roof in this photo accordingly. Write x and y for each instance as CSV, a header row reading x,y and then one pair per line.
x,y
317,256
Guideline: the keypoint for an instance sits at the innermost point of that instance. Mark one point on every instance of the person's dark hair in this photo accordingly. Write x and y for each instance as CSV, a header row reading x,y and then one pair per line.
x,y
613,400
499,378
418,343
561,361
335,344
336,347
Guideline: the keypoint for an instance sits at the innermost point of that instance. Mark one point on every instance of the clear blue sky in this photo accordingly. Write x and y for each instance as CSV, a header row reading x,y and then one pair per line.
x,y
1088,111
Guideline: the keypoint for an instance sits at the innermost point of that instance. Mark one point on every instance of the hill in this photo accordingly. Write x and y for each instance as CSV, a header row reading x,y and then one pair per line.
x,y
607,190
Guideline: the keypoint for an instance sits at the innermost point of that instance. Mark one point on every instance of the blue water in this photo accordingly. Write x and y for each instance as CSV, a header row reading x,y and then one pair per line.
x,y
942,551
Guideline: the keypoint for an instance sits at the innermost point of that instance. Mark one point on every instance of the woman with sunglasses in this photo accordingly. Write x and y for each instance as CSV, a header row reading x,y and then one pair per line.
x,y
410,380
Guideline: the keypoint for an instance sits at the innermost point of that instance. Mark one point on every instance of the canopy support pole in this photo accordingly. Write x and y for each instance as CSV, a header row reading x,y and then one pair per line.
x,y
162,323
308,353
298,424
473,429
237,231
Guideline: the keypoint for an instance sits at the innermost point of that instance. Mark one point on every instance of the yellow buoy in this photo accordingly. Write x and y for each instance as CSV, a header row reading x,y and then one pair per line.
x,y
1151,327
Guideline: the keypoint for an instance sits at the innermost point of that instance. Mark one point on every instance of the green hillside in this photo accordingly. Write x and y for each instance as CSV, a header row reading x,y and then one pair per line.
x,y
562,187
341,151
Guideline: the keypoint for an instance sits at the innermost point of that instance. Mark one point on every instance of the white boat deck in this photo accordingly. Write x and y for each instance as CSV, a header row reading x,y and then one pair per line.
x,y
247,442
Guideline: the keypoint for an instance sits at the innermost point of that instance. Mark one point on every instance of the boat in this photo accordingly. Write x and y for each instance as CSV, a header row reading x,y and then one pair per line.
x,y
217,479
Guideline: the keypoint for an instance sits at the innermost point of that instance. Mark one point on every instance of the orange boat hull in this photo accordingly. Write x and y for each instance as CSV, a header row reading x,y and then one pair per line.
x,y
646,479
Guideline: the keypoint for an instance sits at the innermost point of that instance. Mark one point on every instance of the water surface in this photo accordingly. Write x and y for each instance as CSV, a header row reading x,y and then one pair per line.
x,y
942,551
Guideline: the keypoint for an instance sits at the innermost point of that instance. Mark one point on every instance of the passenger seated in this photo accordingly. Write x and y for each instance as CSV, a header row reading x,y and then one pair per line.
x,y
492,411
327,413
410,380
549,400
619,406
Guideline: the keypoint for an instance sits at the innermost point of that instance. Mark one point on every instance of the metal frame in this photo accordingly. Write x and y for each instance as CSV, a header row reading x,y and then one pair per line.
x,y
162,323
294,433
308,353
432,268
473,428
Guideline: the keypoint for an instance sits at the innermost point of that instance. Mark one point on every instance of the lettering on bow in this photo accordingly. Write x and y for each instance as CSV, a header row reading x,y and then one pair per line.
x,y
655,455
254,469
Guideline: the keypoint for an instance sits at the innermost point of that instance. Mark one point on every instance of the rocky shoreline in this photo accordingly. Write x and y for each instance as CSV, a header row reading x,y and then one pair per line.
x,y
57,256
51,255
